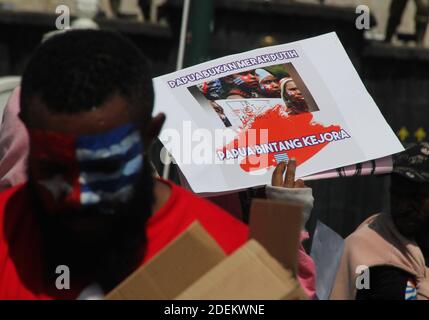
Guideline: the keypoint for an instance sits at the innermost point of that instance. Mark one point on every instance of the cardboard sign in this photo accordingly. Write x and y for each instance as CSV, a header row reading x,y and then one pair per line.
x,y
276,226
230,121
194,266
172,270
250,273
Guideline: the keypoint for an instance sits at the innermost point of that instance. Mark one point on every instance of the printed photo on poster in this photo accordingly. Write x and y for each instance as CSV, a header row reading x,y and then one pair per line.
x,y
232,120
238,99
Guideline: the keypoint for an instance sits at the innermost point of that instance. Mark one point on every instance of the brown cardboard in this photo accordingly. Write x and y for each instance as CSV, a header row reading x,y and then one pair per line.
x,y
194,266
276,226
172,270
250,273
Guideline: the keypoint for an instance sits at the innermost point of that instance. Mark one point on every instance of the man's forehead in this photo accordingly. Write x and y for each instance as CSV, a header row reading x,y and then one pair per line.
x,y
111,114
68,147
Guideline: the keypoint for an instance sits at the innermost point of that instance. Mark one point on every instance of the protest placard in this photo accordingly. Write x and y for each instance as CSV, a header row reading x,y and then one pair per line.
x,y
230,121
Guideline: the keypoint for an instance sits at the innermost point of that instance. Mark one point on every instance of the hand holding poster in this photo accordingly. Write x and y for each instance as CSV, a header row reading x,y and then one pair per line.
x,y
230,121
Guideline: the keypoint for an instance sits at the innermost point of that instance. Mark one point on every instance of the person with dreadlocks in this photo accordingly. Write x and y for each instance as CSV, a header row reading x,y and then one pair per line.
x,y
292,96
91,201
268,84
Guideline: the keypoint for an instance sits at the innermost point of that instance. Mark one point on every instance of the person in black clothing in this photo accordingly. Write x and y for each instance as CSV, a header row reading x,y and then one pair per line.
x,y
387,257
410,214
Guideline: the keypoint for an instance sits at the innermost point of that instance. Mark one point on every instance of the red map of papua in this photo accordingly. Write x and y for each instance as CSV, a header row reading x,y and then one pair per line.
x,y
275,136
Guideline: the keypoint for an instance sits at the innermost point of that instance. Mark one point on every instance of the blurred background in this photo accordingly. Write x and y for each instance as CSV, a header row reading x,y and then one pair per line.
x,y
391,55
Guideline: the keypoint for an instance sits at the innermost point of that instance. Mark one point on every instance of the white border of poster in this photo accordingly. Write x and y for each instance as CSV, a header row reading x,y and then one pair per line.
x,y
330,83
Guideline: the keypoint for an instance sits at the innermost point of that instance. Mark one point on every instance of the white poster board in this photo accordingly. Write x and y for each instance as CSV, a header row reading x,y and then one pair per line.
x,y
230,121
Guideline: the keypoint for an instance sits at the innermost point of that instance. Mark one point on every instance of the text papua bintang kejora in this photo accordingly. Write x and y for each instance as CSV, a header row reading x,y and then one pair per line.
x,y
285,145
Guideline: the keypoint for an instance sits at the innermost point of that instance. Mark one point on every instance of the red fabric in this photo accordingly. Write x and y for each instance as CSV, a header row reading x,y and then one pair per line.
x,y
61,149
181,210
20,250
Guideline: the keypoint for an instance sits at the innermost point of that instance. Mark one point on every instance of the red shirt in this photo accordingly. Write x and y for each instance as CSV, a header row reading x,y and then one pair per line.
x,y
20,251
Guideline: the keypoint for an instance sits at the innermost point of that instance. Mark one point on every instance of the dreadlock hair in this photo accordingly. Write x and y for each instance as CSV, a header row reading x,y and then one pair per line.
x,y
78,70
